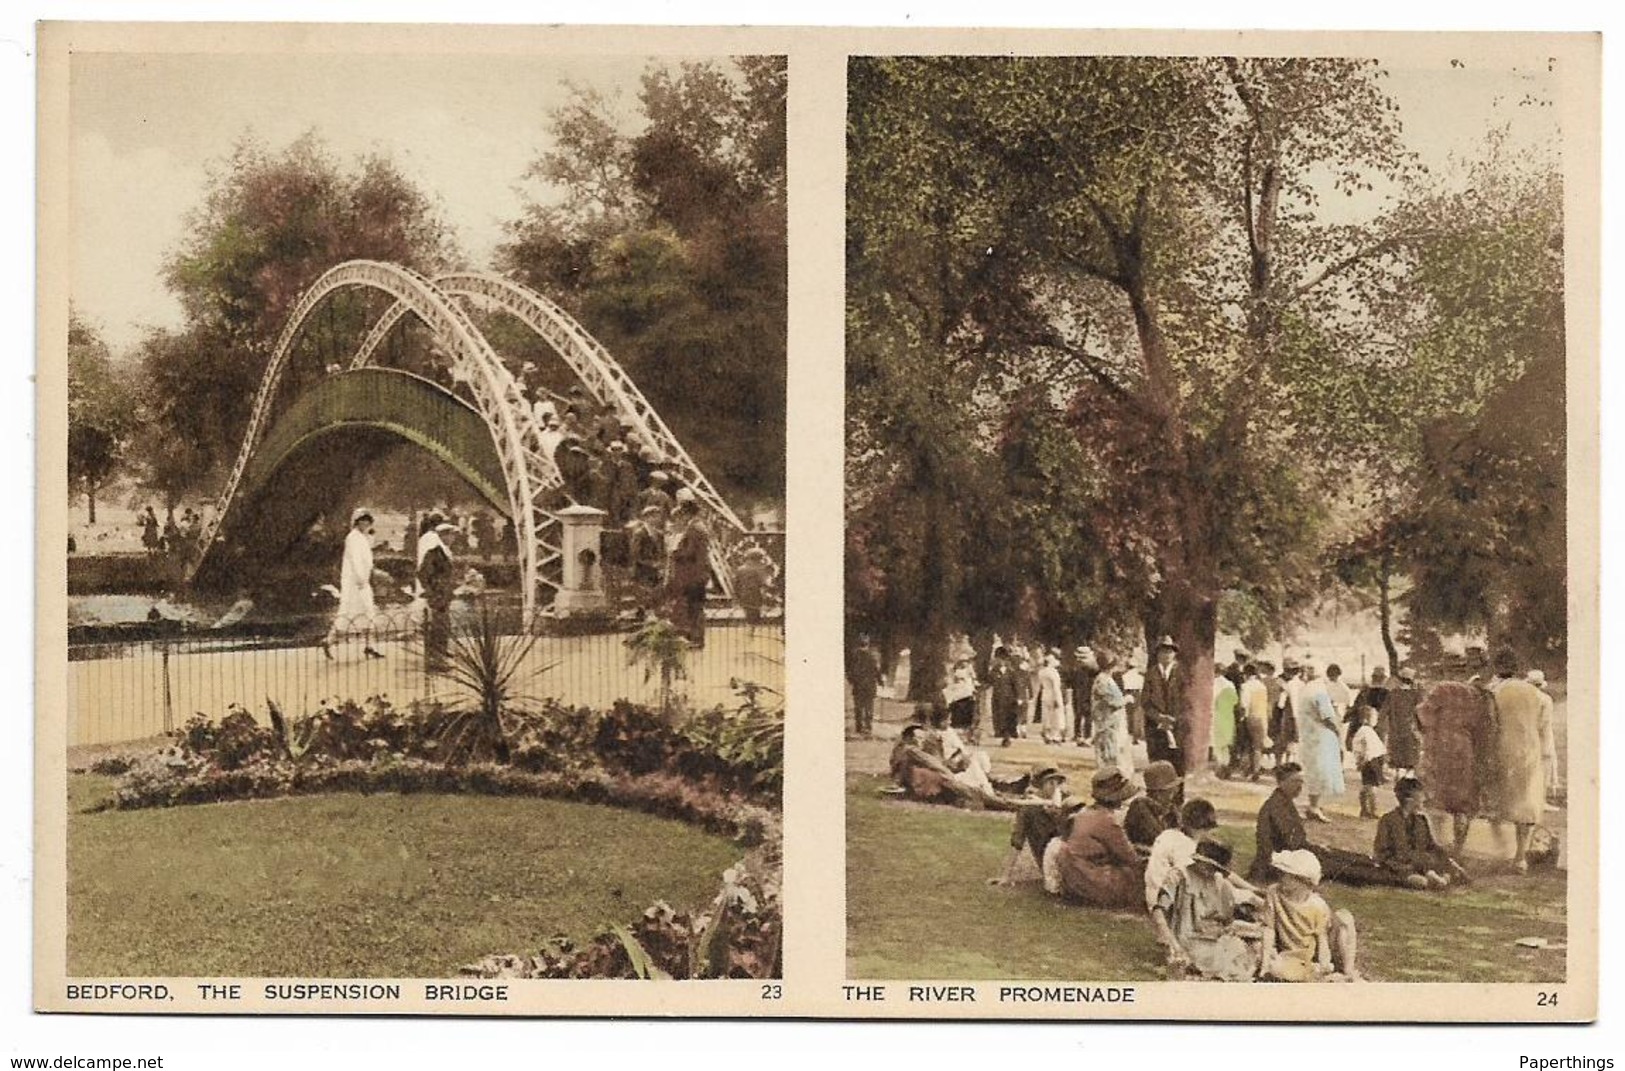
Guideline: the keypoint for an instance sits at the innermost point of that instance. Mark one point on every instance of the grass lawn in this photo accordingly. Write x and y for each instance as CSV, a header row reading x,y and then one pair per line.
x,y
919,906
361,886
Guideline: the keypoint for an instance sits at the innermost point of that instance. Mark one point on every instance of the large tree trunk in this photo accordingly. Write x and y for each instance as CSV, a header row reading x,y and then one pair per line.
x,y
90,500
1189,613
930,647
1385,610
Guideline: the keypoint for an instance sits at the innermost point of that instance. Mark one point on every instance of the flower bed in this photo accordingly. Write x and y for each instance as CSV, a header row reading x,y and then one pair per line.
x,y
720,770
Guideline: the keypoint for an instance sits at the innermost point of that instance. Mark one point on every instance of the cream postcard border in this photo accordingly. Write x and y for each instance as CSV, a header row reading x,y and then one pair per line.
x,y
814,865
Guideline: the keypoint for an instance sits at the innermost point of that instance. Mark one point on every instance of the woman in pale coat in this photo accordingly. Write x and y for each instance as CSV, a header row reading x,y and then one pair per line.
x,y
1524,751
1224,720
1320,749
1051,701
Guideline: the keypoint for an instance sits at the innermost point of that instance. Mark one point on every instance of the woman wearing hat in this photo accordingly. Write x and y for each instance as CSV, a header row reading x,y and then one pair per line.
x,y
1523,752
1051,701
689,572
1156,812
1304,940
357,611
1457,734
1320,746
1113,746
1196,922
1096,863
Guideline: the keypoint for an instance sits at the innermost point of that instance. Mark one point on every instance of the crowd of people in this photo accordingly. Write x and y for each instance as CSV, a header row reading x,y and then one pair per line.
x,y
1137,843
179,537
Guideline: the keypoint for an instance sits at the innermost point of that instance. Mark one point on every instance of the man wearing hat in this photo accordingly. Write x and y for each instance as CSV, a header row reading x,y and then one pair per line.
x,y
1156,812
1280,828
1096,863
620,484
1004,695
657,493
646,551
1284,711
690,571
1196,921
863,675
357,611
436,582
1252,720
1162,699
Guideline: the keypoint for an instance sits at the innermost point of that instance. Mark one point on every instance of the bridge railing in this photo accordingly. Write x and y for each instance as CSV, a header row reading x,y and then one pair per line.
x,y
152,682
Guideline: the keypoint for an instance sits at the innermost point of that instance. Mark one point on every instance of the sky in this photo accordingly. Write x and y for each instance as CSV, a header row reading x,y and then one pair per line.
x,y
146,129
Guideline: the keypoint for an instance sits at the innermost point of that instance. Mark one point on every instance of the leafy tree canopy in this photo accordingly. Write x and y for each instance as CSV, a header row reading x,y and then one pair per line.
x,y
664,233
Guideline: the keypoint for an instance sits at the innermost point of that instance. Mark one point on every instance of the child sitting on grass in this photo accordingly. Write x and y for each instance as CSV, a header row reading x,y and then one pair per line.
x,y
1304,941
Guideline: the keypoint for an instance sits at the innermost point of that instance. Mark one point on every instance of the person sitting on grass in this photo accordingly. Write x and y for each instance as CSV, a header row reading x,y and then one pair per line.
x,y
1176,847
1156,812
1039,819
1280,829
1406,845
918,766
1197,919
971,766
1304,940
1096,863
1370,759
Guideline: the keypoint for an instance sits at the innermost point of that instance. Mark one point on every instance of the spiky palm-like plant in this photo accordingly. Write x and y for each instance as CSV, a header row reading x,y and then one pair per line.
x,y
659,647
489,671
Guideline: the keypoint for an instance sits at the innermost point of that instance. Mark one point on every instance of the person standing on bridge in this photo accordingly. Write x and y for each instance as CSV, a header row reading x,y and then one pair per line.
x,y
357,610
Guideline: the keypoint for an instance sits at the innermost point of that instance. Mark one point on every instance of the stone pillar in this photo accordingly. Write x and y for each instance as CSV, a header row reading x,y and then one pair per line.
x,y
582,544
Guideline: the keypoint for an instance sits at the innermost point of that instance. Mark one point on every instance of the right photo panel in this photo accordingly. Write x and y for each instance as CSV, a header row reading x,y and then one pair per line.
x,y
1207,595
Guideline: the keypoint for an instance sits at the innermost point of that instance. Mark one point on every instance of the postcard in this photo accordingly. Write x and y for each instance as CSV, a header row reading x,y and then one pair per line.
x,y
861,523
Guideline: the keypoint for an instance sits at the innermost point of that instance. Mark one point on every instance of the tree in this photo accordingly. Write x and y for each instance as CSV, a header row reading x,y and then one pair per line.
x,y
269,225
1462,443
665,235
100,414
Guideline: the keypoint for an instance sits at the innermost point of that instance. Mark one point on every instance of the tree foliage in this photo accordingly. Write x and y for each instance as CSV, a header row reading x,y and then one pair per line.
x,y
665,233
101,418
269,225
1138,247
1463,441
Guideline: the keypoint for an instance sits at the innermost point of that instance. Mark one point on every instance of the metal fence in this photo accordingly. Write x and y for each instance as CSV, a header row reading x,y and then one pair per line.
x,y
139,687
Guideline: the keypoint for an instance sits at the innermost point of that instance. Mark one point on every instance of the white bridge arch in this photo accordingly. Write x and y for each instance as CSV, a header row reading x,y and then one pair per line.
x,y
533,481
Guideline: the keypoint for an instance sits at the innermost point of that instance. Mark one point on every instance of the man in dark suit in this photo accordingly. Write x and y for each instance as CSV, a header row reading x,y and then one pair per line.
x,y
1162,698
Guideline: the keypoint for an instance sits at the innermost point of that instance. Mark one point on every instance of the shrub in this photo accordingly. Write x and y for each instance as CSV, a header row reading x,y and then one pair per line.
x,y
236,740
739,935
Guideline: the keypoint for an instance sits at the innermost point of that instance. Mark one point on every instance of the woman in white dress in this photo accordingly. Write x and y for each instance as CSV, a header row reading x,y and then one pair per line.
x,y
357,611
1051,702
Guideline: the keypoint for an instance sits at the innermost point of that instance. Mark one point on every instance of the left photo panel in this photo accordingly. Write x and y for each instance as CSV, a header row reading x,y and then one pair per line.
x,y
425,482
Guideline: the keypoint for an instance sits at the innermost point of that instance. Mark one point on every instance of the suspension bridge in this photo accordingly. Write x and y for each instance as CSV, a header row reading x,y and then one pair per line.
x,y
469,410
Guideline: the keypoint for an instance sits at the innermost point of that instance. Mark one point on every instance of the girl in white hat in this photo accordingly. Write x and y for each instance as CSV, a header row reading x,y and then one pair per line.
x,y
1304,940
